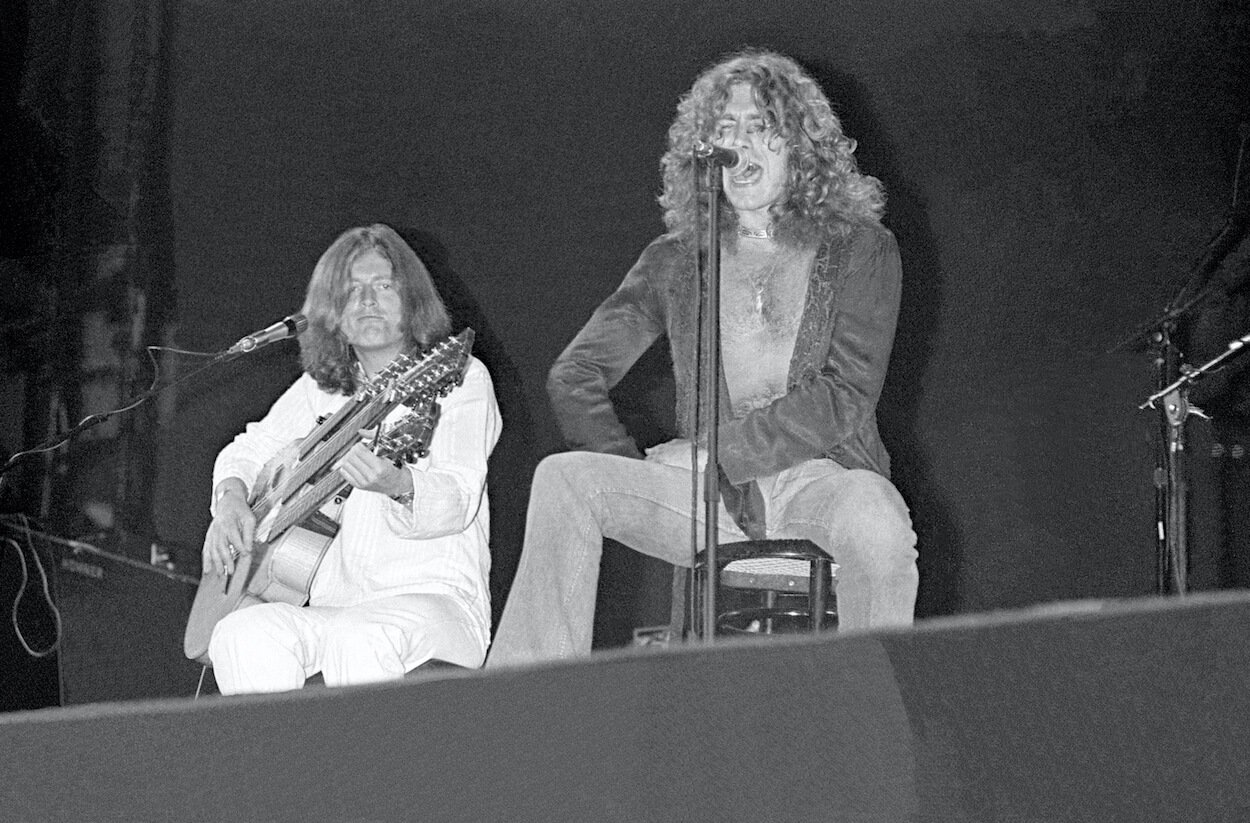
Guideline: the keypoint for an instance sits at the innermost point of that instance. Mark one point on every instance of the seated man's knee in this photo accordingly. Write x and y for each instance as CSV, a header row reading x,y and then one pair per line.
x,y
873,516
556,475
568,468
239,630
569,478
553,468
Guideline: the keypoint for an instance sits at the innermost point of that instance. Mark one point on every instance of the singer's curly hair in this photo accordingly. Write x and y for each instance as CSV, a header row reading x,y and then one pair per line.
x,y
324,351
826,193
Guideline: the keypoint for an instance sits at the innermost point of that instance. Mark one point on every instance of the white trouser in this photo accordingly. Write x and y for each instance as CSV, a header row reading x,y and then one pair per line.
x,y
274,647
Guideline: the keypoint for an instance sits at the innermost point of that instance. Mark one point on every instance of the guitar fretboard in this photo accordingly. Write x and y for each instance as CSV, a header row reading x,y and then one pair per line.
x,y
293,499
409,436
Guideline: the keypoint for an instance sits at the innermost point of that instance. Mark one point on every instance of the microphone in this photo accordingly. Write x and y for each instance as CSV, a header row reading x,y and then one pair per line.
x,y
734,161
284,328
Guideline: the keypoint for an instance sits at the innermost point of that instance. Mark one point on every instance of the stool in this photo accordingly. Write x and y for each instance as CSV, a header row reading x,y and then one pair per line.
x,y
796,581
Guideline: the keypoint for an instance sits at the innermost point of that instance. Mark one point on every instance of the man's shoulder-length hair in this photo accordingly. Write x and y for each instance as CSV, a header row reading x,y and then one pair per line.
x,y
826,194
324,351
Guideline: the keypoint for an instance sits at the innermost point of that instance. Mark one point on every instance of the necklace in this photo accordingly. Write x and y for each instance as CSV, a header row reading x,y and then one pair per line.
x,y
757,285
758,234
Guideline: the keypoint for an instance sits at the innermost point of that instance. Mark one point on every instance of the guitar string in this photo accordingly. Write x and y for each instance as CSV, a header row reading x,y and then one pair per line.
x,y
328,485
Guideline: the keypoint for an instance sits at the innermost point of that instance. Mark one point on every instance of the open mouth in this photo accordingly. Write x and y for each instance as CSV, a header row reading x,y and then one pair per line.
x,y
748,175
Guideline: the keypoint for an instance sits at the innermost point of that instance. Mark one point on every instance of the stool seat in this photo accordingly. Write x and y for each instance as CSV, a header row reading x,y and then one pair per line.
x,y
795,579
773,573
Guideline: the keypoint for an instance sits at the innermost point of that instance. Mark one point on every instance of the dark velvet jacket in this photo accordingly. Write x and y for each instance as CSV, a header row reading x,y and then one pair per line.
x,y
836,372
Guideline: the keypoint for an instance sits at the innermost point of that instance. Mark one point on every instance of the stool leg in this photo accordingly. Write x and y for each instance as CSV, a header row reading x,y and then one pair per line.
x,y
817,589
696,613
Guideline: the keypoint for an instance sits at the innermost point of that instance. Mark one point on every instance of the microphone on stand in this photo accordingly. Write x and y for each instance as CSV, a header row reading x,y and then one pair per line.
x,y
284,328
733,161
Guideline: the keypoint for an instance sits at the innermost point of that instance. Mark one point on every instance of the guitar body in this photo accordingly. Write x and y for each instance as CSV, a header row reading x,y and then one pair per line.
x,y
216,597
277,572
288,565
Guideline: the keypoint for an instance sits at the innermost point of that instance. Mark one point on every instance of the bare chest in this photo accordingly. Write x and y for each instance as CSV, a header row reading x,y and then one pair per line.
x,y
762,301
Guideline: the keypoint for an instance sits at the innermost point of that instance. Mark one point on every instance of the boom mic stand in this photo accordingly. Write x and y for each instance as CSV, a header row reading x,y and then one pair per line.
x,y
291,326
1171,568
1171,490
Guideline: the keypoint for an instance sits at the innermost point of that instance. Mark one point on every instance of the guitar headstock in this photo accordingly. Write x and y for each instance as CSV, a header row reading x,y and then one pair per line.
x,y
385,379
410,437
435,372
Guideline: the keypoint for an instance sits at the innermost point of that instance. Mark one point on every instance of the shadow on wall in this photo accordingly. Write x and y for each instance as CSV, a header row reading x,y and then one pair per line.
x,y
634,588
939,541
513,460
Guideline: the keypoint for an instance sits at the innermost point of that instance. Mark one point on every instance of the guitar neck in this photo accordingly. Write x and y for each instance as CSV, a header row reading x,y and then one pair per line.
x,y
329,426
313,498
413,380
334,423
322,455
409,436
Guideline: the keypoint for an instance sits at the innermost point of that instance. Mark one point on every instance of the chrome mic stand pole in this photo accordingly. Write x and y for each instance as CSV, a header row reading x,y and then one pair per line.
x,y
1169,479
711,179
1172,558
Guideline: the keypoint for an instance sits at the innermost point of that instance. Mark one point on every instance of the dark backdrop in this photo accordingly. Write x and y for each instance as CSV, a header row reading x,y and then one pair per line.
x,y
1054,170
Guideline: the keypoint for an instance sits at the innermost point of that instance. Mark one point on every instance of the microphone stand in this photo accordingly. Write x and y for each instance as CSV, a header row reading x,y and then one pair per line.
x,y
93,420
1176,408
1171,490
710,178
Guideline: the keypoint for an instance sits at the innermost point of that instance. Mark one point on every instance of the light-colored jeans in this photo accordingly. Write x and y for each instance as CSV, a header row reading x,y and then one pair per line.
x,y
578,498
274,647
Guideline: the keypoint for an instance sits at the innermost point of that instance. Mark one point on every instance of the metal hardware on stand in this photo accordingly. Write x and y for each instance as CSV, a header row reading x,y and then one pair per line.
x,y
1172,555
1173,401
1172,384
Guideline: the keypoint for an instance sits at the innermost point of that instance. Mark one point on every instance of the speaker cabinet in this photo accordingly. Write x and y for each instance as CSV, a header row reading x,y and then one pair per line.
x,y
121,623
